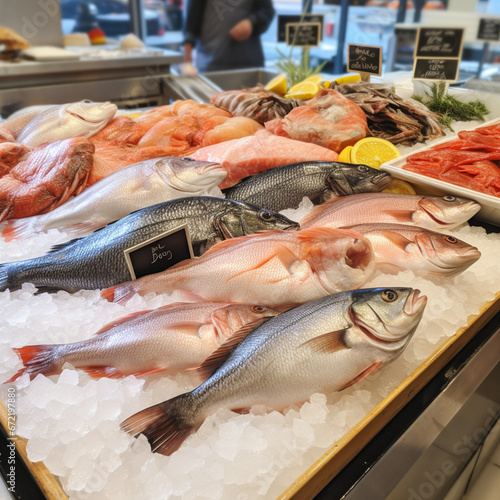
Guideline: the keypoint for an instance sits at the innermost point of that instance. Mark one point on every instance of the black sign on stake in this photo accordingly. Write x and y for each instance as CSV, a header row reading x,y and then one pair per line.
x,y
303,34
436,69
159,253
489,30
283,20
364,59
439,42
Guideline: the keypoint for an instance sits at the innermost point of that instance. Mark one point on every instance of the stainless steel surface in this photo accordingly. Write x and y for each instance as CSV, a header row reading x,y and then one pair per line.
x,y
197,88
240,79
381,482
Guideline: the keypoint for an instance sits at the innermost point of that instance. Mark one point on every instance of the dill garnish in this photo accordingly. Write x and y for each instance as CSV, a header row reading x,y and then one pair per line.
x,y
452,109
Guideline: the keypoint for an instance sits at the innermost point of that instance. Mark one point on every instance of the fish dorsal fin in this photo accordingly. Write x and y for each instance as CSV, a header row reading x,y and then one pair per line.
x,y
328,342
215,360
235,241
121,321
316,211
61,246
322,232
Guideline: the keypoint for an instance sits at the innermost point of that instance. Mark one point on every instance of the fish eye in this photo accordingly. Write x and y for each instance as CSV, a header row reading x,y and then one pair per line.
x,y
266,216
186,158
362,168
87,101
389,295
449,198
450,239
258,309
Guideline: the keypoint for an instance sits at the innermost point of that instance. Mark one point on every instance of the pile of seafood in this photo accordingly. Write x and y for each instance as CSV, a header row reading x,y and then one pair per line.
x,y
269,304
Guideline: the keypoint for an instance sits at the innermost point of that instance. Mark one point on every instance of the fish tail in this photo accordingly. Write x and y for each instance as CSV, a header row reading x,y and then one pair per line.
x,y
109,293
164,425
17,229
37,359
120,294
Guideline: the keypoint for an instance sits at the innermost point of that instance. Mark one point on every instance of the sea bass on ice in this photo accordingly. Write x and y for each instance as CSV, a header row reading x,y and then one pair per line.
x,y
284,187
322,346
121,193
431,212
273,269
98,260
76,119
399,247
171,339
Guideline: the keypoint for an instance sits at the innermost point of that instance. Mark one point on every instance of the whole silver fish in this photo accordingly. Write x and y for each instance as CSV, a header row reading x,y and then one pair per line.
x,y
321,346
76,119
398,247
98,261
284,187
18,120
431,212
169,339
121,193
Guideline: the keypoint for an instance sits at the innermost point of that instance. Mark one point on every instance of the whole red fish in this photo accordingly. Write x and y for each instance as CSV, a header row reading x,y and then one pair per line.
x,y
46,178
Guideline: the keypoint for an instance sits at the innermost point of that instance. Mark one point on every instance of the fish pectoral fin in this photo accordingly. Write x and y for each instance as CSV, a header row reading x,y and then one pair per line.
x,y
402,216
215,360
362,375
397,239
328,342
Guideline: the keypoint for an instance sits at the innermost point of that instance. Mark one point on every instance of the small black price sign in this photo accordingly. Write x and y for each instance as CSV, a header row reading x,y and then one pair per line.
x,y
159,253
283,20
303,34
489,30
439,42
364,59
436,69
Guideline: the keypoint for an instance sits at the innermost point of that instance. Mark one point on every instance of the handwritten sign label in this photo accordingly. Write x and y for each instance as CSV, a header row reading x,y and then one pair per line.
x,y
159,253
436,69
489,30
364,59
303,34
439,42
283,20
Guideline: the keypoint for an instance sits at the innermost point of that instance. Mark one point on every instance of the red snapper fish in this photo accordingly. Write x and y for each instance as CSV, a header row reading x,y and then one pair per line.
x,y
169,339
272,268
322,346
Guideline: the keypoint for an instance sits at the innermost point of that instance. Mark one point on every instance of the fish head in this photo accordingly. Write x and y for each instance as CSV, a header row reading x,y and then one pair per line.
x,y
387,317
448,211
339,257
231,318
445,253
189,176
91,115
240,219
345,178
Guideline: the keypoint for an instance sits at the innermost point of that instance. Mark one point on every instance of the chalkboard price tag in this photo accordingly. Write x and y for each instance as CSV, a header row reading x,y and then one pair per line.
x,y
283,20
159,253
439,42
364,59
444,70
489,30
303,34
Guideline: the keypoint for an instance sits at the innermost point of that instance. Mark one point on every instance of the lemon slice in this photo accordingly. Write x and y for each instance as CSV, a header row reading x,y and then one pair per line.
x,y
345,155
373,151
326,84
348,79
278,84
303,90
398,186
314,78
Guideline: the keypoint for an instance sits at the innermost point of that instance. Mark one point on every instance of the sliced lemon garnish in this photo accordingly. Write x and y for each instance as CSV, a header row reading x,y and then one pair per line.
x,y
303,90
373,151
398,186
314,78
326,84
345,155
348,79
278,84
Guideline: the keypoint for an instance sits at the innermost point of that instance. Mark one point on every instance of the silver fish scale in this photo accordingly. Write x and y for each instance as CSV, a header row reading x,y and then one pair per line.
x,y
97,260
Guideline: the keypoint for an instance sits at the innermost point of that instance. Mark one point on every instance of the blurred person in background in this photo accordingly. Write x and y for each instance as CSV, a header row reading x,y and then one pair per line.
x,y
225,34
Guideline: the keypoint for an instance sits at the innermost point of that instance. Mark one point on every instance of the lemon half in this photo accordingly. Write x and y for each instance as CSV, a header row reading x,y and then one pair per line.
x,y
345,155
303,90
373,151
398,186
278,84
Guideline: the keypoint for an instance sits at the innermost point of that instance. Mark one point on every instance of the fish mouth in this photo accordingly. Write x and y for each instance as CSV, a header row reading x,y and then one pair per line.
x,y
105,110
462,213
413,307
